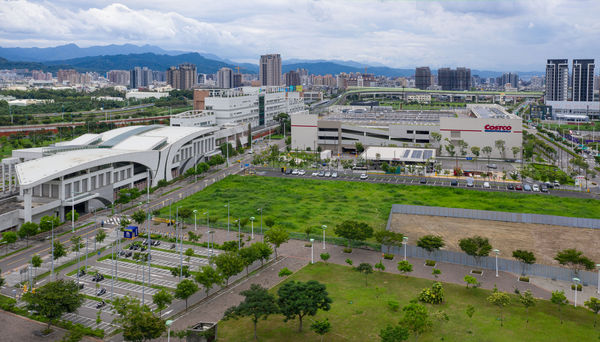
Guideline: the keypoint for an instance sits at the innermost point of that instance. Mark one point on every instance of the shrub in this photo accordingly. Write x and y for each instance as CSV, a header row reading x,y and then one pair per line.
x,y
349,261
284,272
436,272
433,295
347,250
308,245
325,257
524,279
470,280
476,271
430,263
579,287
394,305
388,256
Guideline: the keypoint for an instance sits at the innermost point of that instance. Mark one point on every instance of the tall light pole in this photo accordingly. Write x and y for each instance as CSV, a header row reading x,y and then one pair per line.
x,y
180,244
404,242
576,281
239,234
73,208
87,242
52,258
168,323
208,230
312,254
261,230
496,251
598,266
227,205
252,229
195,211
324,227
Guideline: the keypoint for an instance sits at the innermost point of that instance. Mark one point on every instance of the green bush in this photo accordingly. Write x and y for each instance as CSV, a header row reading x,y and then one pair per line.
x,y
579,287
433,295
394,305
347,250
388,256
284,272
430,263
436,272
524,279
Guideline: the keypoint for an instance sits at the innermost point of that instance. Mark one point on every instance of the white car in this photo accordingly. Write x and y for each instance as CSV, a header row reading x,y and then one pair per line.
x,y
295,171
334,175
486,184
301,172
535,187
327,174
315,174
364,176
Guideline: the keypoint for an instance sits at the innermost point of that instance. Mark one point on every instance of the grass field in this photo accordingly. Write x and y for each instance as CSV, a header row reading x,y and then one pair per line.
x,y
296,203
359,312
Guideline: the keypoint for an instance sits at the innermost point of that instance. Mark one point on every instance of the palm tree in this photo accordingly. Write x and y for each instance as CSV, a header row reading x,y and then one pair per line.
x,y
487,150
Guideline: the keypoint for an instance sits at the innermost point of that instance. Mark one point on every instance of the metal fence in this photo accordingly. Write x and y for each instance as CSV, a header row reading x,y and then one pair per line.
x,y
576,222
489,263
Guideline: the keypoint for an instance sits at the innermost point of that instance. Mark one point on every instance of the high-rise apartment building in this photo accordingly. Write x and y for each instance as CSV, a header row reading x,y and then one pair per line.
x,y
458,79
557,79
120,77
292,78
225,78
422,78
237,80
508,78
583,80
184,77
140,77
270,70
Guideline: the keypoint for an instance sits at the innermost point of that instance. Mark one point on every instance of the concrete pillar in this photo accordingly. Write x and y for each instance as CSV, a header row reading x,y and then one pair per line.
x,y
9,177
27,205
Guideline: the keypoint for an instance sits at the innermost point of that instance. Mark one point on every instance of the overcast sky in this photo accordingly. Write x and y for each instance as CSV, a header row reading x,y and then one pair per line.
x,y
493,34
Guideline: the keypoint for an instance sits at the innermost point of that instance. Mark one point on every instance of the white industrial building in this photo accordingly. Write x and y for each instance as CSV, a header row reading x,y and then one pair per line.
x,y
575,110
477,125
89,171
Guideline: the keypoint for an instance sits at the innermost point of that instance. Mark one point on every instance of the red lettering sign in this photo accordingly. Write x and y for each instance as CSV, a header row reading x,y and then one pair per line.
x,y
497,128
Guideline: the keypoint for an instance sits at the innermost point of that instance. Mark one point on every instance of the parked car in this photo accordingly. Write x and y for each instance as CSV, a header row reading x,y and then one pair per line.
x,y
510,187
454,182
492,166
128,254
294,172
101,292
518,187
173,246
334,175
543,188
81,285
527,187
288,171
98,277
535,188
486,185
364,176
556,184
321,173
315,174
100,305
549,185
301,172
81,273
327,174
423,181
470,182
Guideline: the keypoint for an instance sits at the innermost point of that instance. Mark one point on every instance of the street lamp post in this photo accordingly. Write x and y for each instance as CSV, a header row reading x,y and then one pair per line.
x,y
261,231
576,281
312,255
168,323
598,266
227,205
324,227
180,242
252,229
496,251
52,258
195,211
239,234
208,228
404,242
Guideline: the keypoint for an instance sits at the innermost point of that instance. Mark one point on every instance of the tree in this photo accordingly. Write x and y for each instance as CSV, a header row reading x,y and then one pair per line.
x,y
27,230
176,271
100,236
431,243
359,147
500,299
353,230
405,267
8,238
298,299
54,299
76,245
526,298
559,298
574,259
269,222
162,299
416,319
476,247
1,279
380,266
387,238
59,250
69,216
525,257
264,251
194,237
469,311
307,231
515,151
189,253
500,146
36,261
393,333
470,280
475,150
437,137
594,305
325,257
185,289
139,217
228,264
208,277
365,268
258,303
321,327
249,255
487,150
47,222
138,321
277,236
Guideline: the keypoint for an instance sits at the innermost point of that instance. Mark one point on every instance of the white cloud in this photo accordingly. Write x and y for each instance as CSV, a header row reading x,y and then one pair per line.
x,y
500,35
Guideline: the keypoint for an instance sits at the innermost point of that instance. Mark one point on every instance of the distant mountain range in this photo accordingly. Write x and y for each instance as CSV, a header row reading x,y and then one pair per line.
x,y
124,57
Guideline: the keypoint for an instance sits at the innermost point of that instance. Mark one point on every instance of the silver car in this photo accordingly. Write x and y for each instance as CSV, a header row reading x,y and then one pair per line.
x,y
334,175
327,174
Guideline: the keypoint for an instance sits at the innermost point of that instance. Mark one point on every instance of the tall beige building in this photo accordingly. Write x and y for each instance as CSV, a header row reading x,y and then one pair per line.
x,y
183,77
270,70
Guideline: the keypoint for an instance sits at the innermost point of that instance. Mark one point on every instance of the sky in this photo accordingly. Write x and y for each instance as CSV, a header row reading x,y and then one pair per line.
x,y
503,35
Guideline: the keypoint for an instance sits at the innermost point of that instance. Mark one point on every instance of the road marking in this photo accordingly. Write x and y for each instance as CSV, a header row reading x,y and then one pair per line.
x,y
166,313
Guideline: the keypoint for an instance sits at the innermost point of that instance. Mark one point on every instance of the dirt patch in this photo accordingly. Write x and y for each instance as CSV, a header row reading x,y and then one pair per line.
x,y
543,240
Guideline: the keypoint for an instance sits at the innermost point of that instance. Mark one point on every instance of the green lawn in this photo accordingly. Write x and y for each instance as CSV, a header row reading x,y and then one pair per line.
x,y
359,312
296,203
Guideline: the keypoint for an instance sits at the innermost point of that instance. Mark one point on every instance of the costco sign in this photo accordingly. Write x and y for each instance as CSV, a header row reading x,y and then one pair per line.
x,y
497,129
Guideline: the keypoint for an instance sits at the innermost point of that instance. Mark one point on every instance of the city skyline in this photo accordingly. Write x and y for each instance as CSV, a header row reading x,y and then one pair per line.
x,y
508,35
